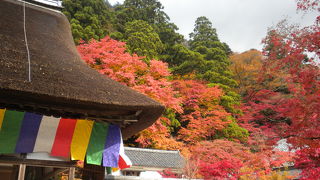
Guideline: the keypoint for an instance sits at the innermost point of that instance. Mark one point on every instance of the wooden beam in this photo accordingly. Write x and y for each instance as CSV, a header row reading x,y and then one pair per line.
x,y
72,171
40,163
22,171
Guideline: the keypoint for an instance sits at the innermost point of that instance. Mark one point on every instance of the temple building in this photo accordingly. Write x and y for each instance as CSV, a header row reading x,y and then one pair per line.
x,y
42,75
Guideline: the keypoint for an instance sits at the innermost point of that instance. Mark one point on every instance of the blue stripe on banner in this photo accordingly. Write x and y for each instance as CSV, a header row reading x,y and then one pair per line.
x,y
28,133
112,147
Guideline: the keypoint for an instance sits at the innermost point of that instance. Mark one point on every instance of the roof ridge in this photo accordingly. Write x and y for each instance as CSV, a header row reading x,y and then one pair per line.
x,y
35,6
152,150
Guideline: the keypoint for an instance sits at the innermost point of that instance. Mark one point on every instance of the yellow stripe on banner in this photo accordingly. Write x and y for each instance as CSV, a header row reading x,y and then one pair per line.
x,y
115,169
80,139
2,112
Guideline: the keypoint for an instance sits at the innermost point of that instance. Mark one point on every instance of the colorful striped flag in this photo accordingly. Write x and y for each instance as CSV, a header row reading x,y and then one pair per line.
x,y
97,143
2,111
46,134
62,141
28,133
112,147
10,131
80,139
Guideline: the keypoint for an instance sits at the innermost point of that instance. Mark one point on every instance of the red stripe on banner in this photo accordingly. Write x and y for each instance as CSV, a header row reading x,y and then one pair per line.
x,y
62,141
122,163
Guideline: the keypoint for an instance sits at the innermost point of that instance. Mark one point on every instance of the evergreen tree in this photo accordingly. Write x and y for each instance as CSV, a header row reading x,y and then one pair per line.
x,y
142,39
205,35
88,18
212,62
150,11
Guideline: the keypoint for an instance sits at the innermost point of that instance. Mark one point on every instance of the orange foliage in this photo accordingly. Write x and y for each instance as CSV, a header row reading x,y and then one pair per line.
x,y
157,136
202,113
246,68
110,58
252,76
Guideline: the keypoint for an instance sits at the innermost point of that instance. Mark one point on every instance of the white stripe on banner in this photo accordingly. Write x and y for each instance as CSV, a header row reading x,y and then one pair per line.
x,y
125,162
46,134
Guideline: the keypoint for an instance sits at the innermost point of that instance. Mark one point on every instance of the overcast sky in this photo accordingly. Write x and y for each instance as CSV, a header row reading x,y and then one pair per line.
x,y
242,24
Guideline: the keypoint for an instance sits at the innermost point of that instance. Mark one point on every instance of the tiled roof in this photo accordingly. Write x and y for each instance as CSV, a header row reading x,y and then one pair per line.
x,y
154,158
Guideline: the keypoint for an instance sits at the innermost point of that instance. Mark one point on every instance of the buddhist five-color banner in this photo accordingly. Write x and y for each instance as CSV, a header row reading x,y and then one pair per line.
x,y
10,131
112,147
97,142
24,132
80,140
46,134
63,139
28,133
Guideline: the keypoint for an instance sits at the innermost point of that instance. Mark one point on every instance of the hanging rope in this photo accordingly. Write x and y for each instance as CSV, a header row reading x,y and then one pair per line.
x,y
26,41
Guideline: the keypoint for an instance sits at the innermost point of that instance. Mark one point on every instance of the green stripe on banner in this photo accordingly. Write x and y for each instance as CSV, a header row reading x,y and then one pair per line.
x,y
10,131
97,143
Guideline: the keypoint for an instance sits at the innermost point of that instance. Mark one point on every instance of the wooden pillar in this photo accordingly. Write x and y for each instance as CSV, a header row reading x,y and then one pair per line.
x,y
72,171
22,171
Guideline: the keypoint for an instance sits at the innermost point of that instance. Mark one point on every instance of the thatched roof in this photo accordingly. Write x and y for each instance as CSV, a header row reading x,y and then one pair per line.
x,y
62,84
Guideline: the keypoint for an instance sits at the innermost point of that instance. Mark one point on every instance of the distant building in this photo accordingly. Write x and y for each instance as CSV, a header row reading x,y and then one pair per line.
x,y
150,161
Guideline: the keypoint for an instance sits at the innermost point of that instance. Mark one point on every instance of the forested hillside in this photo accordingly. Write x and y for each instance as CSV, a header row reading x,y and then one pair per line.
x,y
225,111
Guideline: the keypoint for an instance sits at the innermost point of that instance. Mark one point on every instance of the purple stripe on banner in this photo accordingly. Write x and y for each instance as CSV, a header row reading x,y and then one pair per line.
x,y
112,147
28,133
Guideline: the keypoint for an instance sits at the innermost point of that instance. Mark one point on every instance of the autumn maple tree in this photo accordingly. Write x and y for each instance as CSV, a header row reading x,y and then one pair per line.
x,y
204,118
292,113
203,114
298,53
280,89
110,58
193,110
246,67
194,122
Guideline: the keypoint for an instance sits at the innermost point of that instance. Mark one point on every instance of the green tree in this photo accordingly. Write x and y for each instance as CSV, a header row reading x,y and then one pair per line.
x,y
178,54
142,39
215,69
209,61
152,12
205,35
88,18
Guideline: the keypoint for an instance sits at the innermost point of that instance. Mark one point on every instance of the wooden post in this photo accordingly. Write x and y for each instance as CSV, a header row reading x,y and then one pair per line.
x,y
22,171
72,170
